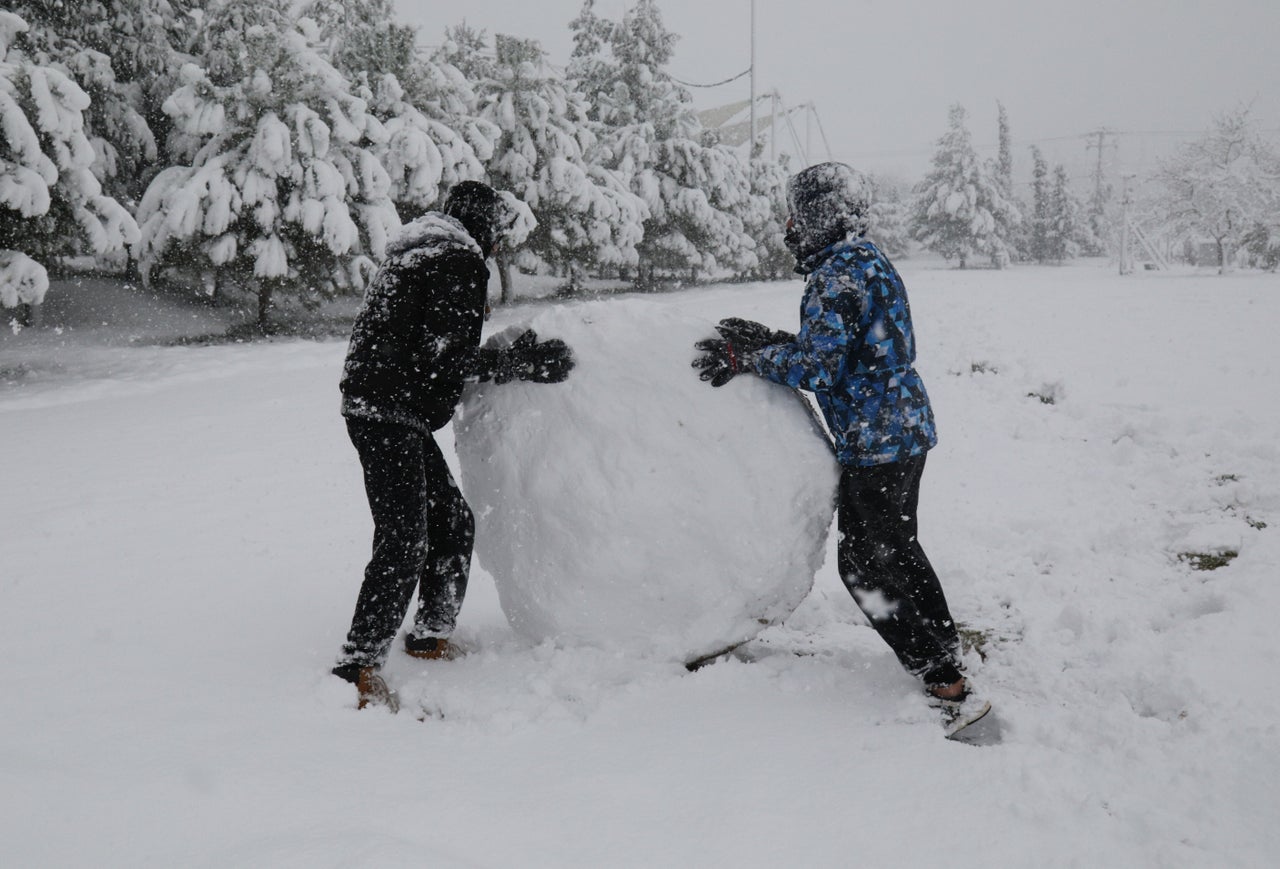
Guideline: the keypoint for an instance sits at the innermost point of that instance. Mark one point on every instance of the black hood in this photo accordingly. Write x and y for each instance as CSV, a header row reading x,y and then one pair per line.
x,y
827,202
480,210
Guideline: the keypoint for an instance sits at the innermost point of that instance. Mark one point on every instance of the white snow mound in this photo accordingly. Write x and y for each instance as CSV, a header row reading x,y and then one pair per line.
x,y
634,506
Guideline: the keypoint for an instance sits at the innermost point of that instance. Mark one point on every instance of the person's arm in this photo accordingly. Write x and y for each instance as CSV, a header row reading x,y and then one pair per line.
x,y
455,290
817,358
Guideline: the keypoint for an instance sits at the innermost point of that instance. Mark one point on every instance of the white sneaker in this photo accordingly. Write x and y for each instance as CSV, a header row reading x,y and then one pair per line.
x,y
957,714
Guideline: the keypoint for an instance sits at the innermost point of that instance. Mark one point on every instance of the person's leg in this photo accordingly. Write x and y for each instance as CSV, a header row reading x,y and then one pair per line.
x,y
451,535
393,458
923,584
887,573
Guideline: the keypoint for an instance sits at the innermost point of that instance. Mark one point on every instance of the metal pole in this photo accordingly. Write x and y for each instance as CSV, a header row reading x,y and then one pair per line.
x,y
752,147
1124,229
773,126
808,128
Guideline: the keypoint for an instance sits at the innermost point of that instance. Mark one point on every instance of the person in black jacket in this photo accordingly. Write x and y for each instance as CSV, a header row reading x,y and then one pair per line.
x,y
415,343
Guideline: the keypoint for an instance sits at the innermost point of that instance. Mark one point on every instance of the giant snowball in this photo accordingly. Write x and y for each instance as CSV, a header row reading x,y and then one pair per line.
x,y
634,506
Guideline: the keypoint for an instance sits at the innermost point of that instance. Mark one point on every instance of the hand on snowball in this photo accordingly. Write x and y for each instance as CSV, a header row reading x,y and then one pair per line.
x,y
720,360
750,336
739,342
538,361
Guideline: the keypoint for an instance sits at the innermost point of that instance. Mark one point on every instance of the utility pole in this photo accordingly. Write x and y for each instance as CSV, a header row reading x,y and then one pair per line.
x,y
1099,137
773,126
752,147
1125,267
1100,193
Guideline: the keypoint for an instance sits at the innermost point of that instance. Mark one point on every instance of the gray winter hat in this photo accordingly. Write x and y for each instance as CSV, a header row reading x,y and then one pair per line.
x,y
827,202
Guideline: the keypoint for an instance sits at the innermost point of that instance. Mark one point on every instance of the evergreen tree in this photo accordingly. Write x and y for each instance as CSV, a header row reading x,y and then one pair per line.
x,y
888,218
1004,158
466,49
1038,245
1008,221
51,203
695,189
283,192
589,67
1062,224
585,215
123,54
765,218
958,209
434,135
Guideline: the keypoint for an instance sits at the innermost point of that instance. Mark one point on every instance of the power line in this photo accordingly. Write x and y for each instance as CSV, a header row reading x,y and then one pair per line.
x,y
688,84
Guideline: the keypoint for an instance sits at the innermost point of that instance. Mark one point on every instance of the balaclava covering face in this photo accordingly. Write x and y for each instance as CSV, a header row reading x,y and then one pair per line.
x,y
479,209
827,202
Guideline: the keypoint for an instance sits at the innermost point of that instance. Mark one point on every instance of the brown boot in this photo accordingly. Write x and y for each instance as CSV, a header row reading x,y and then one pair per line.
x,y
371,689
429,648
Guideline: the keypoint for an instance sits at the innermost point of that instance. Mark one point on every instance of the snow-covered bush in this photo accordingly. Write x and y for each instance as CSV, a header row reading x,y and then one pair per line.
x,y
284,191
1223,186
51,203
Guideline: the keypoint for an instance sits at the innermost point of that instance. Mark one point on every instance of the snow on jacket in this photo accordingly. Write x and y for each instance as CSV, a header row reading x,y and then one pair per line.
x,y
854,351
416,340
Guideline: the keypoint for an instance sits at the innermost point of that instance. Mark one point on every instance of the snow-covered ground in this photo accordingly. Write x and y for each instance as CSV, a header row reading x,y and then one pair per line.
x,y
183,531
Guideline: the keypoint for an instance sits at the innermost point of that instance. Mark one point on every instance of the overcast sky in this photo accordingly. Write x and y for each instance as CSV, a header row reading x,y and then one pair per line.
x,y
882,73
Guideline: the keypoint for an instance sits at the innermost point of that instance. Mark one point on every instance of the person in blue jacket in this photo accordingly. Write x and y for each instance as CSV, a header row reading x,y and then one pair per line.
x,y
854,352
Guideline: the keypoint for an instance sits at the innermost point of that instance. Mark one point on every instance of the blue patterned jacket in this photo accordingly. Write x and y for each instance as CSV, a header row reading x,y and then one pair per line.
x,y
854,351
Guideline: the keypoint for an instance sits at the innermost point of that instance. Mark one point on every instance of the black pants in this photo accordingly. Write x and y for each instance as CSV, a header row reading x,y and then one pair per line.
x,y
423,532
888,574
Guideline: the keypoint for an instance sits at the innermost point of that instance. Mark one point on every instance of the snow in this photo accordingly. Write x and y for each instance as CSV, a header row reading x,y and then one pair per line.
x,y
22,279
184,530
633,507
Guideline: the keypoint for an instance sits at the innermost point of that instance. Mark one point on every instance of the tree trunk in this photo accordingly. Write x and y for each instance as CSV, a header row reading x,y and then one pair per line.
x,y
266,292
504,277
31,315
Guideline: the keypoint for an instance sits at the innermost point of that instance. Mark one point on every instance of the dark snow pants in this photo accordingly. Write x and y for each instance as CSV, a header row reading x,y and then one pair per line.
x,y
423,532
887,572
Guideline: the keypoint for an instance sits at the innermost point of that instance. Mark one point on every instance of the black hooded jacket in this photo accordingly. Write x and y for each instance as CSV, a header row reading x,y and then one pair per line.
x,y
416,340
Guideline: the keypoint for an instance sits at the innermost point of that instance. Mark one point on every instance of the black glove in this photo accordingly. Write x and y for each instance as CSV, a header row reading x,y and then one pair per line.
x,y
720,360
529,359
750,336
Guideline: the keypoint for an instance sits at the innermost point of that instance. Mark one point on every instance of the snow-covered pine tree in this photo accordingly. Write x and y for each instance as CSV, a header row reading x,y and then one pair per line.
x,y
765,217
1063,225
1004,155
589,61
51,203
283,193
1037,230
434,136
585,215
1009,221
958,208
888,217
1222,185
694,188
123,55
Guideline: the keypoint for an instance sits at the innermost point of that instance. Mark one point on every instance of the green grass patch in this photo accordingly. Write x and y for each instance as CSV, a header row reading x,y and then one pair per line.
x,y
976,639
1208,560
